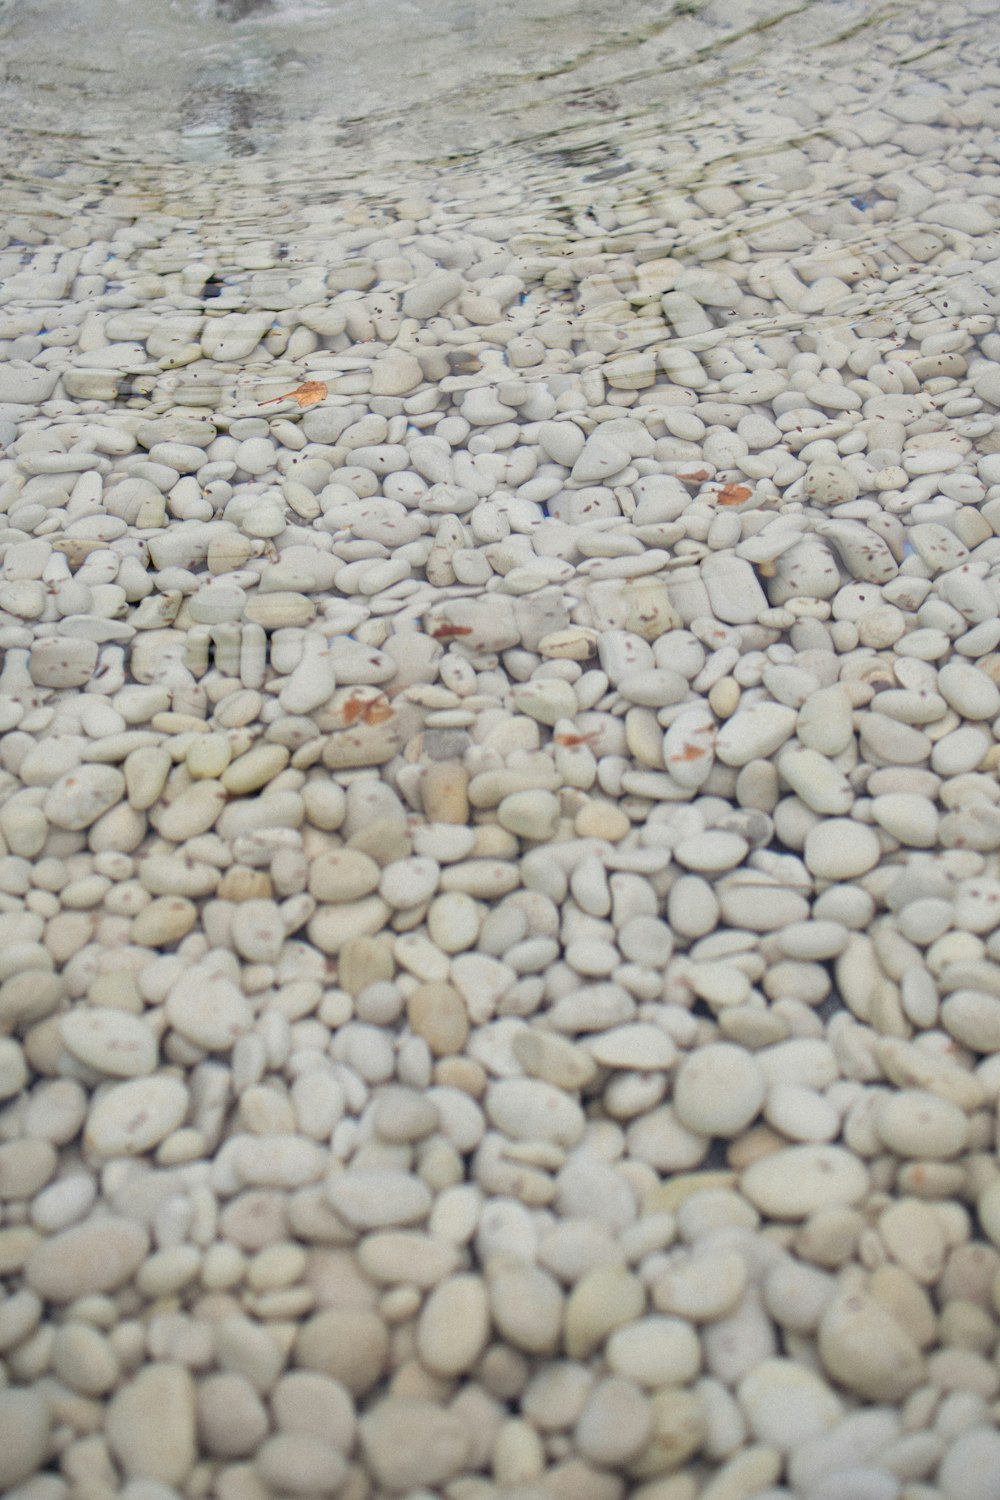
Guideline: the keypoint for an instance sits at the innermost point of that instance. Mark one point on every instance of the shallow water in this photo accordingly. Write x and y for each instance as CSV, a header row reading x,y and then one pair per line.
x,y
168,162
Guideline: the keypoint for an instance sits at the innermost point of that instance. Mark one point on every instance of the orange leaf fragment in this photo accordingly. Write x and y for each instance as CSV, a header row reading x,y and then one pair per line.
x,y
305,395
449,632
574,741
690,752
733,494
697,477
368,710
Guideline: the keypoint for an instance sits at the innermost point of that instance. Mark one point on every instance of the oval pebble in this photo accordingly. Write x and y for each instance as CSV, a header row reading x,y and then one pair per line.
x,y
797,1181
131,1118
109,1040
718,1090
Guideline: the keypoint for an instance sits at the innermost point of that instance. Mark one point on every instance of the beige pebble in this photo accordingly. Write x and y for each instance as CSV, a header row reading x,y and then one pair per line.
x,y
343,875
655,1351
25,1429
787,1404
411,1443
129,1119
249,772
453,1326
151,1424
334,926
444,791
83,795
347,1344
437,1013
109,1040
84,1358
718,1090
209,1009
679,1430
528,1109
529,814
798,1180
917,1123
376,1199
914,1236
701,1286
601,1301
863,1347
296,1463
527,1306
232,1419
615,1423
307,1401
97,1256
164,921
401,1256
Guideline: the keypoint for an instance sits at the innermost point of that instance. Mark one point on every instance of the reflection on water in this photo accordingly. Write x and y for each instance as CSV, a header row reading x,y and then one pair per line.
x,y
707,126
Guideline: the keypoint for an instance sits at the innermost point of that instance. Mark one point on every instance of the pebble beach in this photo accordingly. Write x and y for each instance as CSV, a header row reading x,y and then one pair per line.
x,y
499,747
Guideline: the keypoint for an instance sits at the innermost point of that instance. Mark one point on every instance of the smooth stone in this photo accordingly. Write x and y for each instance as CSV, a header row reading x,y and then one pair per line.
x,y
786,1404
526,1304
529,1109
908,817
232,1419
411,1443
840,849
797,1181
150,1424
453,1326
378,1198
968,690
83,795
129,1119
970,1470
296,1463
109,1040
718,1090
655,1351
87,1259
864,1348
602,1300
25,1430
917,1123
701,1285
614,1424
755,733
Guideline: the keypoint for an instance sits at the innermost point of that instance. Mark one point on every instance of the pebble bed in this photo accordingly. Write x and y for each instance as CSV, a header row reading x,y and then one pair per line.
x,y
500,879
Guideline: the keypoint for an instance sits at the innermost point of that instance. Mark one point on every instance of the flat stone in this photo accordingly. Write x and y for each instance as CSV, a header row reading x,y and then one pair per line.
x,y
453,1326
25,1430
863,1347
786,1404
841,849
718,1090
411,1443
150,1424
110,1040
131,1118
92,1258
378,1199
797,1181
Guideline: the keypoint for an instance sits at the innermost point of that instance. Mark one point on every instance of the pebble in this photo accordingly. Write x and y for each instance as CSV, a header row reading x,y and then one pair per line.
x,y
497,894
718,1090
411,1443
99,1255
840,849
151,1424
131,1118
796,1181
25,1431
864,1348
